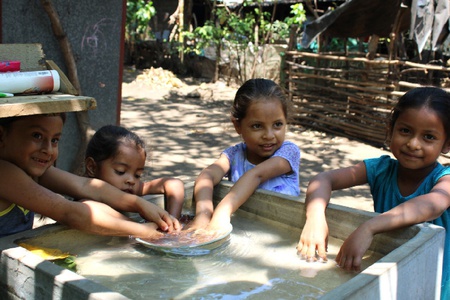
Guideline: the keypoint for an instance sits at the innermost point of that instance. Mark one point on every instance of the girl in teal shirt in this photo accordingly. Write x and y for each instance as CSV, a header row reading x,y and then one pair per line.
x,y
411,189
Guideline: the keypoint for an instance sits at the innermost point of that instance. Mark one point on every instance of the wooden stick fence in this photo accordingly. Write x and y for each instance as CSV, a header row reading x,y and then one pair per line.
x,y
352,96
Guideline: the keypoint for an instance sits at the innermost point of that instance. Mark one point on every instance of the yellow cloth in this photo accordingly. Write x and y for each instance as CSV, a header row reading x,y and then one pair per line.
x,y
45,253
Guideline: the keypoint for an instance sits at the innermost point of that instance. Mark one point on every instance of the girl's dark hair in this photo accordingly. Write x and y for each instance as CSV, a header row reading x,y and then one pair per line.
x,y
105,142
433,98
258,89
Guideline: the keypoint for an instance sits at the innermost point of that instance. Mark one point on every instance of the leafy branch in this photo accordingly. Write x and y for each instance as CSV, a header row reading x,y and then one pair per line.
x,y
236,31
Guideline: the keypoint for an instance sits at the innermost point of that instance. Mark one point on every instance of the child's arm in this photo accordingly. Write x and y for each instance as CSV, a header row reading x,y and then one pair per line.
x,y
417,210
203,191
17,187
78,187
172,188
107,221
314,236
244,188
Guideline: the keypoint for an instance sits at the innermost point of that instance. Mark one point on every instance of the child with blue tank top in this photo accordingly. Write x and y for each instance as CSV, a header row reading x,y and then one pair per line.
x,y
263,160
410,189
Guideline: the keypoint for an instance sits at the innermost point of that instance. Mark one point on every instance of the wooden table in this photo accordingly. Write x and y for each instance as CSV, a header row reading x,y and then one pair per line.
x,y
44,104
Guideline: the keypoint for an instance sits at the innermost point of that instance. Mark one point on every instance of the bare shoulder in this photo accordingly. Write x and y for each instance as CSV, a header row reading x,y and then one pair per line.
x,y
4,164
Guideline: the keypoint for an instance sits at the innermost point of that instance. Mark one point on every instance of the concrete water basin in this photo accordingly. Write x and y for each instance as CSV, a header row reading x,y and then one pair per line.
x,y
258,262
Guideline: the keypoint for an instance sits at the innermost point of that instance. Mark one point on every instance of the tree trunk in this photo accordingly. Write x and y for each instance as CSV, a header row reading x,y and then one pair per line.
x,y
72,74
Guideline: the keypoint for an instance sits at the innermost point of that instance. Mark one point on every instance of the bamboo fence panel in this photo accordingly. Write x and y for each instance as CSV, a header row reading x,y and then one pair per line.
x,y
352,96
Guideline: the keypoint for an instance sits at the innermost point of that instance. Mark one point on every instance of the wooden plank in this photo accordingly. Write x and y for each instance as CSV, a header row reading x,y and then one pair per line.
x,y
31,56
384,84
354,72
44,104
296,54
426,66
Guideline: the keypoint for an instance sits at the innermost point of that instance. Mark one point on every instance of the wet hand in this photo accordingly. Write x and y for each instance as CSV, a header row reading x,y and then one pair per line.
x,y
200,221
151,231
162,218
219,222
219,228
352,250
313,242
186,238
211,233
171,223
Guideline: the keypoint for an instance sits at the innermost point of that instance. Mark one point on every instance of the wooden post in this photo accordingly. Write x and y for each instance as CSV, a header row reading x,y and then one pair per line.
x,y
291,47
82,117
181,27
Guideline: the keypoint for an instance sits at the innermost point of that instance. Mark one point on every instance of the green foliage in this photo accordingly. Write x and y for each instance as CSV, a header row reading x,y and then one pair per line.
x,y
234,31
67,263
238,29
299,15
279,30
139,13
202,37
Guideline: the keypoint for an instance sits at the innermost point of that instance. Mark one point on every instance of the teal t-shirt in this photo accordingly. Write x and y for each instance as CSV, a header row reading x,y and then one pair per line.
x,y
382,179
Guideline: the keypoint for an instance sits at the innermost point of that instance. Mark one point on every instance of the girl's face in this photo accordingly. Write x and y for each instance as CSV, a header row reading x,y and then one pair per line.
x,y
123,171
263,129
418,138
31,143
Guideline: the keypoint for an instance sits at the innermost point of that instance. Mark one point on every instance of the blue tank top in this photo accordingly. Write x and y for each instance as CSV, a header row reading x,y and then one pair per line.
x,y
15,219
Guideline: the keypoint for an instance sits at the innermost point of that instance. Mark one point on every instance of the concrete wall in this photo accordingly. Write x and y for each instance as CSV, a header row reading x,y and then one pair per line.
x,y
95,31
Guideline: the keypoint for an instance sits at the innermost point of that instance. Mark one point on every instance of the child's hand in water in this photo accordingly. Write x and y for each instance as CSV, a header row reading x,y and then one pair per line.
x,y
200,221
218,226
188,238
151,231
219,221
351,252
209,233
314,240
176,226
154,233
162,218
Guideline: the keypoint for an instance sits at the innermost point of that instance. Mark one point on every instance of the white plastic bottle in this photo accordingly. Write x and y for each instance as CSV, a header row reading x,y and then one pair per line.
x,y
35,82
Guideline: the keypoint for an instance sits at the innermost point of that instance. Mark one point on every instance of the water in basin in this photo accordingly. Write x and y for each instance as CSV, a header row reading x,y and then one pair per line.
x,y
258,261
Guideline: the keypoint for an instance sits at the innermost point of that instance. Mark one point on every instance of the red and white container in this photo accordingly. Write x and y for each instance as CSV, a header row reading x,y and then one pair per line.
x,y
35,82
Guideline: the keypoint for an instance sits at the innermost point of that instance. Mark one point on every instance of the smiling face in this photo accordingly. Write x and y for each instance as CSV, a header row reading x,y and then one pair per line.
x,y
418,138
31,143
123,170
263,129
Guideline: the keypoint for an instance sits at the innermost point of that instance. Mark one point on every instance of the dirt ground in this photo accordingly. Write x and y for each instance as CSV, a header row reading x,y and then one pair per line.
x,y
185,123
